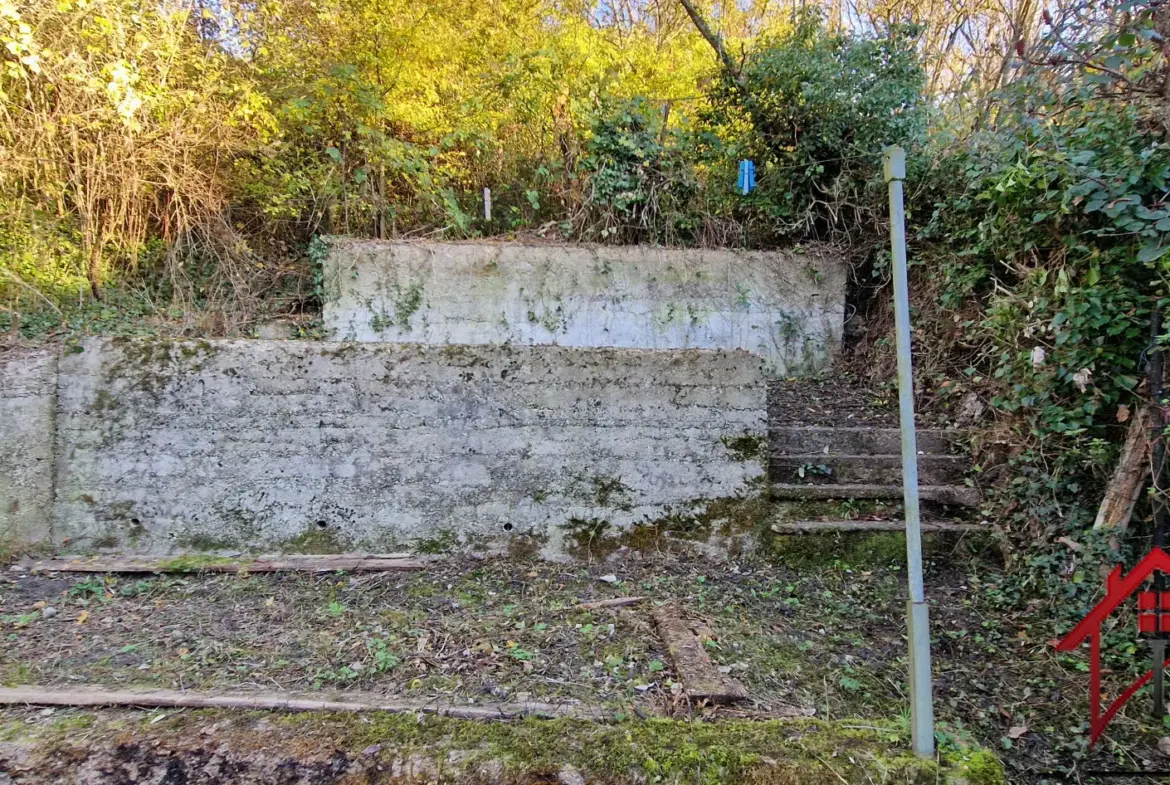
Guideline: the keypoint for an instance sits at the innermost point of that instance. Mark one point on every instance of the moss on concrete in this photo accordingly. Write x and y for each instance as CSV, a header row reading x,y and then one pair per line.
x,y
747,448
315,539
445,541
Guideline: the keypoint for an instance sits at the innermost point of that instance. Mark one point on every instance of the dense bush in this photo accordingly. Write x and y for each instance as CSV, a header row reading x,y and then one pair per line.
x,y
814,109
1041,258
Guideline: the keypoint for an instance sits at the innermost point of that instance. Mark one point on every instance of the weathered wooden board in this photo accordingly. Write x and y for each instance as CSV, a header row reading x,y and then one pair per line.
x,y
701,680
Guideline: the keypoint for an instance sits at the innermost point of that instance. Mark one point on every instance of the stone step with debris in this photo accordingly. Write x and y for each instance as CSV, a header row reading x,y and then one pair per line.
x,y
799,440
822,527
945,494
865,469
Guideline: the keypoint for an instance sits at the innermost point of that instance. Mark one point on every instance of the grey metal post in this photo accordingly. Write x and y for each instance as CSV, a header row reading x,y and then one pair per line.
x,y
917,611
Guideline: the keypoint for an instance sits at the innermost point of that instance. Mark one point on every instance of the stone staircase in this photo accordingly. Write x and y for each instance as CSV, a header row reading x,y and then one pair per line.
x,y
817,470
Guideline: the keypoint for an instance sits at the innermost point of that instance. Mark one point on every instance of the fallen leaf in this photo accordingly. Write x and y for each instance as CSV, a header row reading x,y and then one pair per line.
x,y
1017,731
1070,544
1164,746
609,578
1122,413
82,617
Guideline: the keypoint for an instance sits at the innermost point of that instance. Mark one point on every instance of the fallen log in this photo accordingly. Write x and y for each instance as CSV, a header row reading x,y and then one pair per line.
x,y
1125,486
95,697
345,562
700,679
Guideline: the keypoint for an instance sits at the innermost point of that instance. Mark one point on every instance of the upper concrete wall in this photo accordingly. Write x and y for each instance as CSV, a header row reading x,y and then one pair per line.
x,y
287,445
786,307
28,391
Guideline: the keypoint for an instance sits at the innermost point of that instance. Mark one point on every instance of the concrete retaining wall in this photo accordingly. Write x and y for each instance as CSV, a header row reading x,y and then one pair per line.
x,y
28,391
295,446
786,307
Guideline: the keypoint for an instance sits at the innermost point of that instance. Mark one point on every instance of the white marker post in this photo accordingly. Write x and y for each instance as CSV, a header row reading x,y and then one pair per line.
x,y
918,616
487,204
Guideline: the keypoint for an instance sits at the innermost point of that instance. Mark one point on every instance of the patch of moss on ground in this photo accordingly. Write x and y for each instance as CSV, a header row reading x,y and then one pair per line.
x,y
868,550
192,562
979,767
776,752
698,522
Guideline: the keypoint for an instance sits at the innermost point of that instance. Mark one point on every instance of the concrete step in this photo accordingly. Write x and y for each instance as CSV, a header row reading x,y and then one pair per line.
x,y
821,527
944,494
861,441
862,469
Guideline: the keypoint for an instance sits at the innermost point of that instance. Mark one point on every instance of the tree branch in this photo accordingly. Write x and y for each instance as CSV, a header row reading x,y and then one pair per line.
x,y
712,38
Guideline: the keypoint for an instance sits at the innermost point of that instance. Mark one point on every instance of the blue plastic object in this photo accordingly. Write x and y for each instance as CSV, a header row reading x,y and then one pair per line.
x,y
747,177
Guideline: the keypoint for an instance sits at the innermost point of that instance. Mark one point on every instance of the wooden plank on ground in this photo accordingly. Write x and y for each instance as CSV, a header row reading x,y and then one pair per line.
x,y
359,702
292,563
1125,486
700,679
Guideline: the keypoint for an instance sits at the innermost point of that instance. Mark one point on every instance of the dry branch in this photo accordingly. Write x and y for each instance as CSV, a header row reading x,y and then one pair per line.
x,y
294,563
1128,478
46,696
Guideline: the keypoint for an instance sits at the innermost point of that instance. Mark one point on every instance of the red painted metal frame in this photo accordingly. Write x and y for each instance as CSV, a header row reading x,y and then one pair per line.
x,y
1118,589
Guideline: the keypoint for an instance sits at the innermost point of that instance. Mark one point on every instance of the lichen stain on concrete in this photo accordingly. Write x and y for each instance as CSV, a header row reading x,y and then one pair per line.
x,y
634,297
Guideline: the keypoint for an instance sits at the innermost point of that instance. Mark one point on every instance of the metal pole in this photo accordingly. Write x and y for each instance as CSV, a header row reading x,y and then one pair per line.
x,y
1158,454
917,611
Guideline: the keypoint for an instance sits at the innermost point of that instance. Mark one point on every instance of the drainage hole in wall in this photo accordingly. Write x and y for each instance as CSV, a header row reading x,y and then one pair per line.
x,y
321,524
507,527
135,522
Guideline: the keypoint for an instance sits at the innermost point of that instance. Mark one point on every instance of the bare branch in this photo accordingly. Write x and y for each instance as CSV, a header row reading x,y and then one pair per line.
x,y
712,38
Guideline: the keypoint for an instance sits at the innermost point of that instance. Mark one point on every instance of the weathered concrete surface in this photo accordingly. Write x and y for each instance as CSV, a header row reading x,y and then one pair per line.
x,y
787,307
28,387
287,445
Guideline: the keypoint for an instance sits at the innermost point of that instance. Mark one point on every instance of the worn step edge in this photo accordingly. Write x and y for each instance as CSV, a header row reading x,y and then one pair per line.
x,y
930,440
946,494
894,459
867,469
813,527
